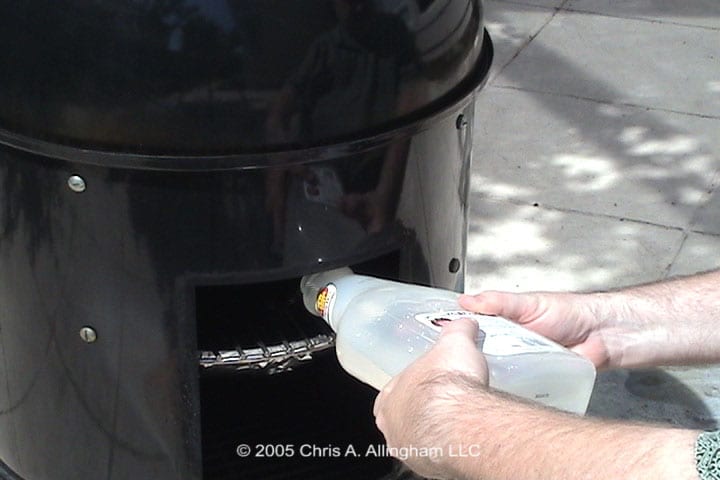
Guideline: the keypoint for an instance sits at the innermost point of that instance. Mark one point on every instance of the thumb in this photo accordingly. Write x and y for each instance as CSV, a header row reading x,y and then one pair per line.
x,y
458,342
459,330
519,307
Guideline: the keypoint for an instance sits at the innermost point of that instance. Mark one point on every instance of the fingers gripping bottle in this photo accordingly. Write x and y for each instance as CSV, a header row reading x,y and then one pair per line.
x,y
382,326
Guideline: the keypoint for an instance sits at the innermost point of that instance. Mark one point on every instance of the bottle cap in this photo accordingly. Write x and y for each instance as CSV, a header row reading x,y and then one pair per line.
x,y
319,291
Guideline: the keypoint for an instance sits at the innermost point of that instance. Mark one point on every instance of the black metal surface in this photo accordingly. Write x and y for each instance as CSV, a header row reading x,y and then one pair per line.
x,y
276,306
128,255
125,257
318,410
227,76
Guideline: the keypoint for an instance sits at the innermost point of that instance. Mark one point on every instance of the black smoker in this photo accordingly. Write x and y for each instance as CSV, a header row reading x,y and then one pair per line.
x,y
169,171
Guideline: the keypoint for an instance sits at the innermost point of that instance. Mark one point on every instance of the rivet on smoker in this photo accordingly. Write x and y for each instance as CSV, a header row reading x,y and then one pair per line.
x,y
454,265
88,334
76,183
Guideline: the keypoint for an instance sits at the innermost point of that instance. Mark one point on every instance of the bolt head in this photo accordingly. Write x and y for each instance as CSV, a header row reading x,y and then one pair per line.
x,y
88,334
454,265
76,183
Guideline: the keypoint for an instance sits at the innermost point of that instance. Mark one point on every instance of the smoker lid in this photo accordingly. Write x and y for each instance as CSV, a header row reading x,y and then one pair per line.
x,y
218,77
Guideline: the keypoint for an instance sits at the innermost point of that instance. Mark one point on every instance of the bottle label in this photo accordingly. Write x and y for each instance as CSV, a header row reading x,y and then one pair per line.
x,y
325,301
502,337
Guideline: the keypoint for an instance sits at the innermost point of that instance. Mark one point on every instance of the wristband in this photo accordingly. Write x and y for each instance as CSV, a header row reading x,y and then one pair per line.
x,y
707,455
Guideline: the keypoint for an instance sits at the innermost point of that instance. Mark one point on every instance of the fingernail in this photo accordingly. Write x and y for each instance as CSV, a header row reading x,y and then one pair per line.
x,y
441,322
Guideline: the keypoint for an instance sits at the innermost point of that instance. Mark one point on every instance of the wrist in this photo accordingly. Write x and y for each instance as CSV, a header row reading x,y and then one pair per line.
x,y
631,329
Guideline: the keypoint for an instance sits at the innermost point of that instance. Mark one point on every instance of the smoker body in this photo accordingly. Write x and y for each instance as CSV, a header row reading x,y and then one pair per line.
x,y
166,168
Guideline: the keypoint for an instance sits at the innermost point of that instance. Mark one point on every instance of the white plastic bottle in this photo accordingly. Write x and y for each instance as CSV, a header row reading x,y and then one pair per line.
x,y
382,326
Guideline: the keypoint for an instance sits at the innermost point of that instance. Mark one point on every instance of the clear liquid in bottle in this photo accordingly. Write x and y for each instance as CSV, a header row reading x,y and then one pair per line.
x,y
382,326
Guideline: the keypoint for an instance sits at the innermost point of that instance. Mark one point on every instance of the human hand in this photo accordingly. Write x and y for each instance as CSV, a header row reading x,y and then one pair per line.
x,y
572,320
417,408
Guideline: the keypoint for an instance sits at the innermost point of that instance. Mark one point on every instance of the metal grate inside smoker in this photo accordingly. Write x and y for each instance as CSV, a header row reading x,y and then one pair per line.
x,y
269,376
258,327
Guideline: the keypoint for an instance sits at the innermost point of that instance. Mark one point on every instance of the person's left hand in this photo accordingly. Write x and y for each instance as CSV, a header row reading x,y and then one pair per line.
x,y
418,410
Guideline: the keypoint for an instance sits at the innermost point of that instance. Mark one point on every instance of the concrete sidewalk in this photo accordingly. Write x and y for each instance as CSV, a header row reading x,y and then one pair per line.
x,y
597,164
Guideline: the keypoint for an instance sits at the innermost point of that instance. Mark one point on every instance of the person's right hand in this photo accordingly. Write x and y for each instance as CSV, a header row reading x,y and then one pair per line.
x,y
569,319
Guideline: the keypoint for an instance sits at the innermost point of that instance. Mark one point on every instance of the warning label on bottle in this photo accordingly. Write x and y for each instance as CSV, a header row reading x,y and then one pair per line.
x,y
502,337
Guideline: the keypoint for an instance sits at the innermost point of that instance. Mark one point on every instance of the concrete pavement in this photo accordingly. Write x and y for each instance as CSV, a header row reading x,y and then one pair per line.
x,y
597,165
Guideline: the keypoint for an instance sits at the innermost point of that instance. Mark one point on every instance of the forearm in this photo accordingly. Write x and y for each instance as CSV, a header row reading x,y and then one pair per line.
x,y
671,322
507,439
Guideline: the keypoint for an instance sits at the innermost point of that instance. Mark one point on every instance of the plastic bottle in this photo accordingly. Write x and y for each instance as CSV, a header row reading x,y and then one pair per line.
x,y
382,326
